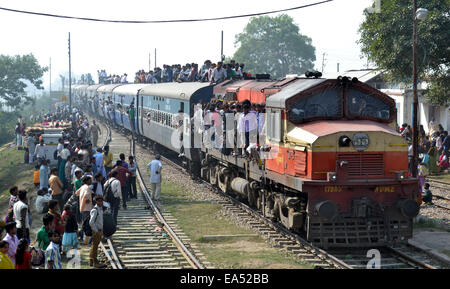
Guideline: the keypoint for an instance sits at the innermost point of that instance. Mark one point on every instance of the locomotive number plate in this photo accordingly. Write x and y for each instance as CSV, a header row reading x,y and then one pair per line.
x,y
385,189
332,189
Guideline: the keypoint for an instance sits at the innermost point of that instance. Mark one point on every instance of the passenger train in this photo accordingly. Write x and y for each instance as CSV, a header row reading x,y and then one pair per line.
x,y
338,175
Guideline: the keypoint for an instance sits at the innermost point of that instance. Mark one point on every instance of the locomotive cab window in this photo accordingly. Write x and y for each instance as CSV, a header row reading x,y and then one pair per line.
x,y
322,104
363,105
274,125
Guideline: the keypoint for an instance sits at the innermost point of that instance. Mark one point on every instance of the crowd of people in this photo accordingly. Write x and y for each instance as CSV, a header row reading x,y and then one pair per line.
x,y
79,193
434,153
208,72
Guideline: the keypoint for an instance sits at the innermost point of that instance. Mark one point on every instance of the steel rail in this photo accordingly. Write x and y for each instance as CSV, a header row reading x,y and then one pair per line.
x,y
111,261
410,259
115,264
113,252
195,263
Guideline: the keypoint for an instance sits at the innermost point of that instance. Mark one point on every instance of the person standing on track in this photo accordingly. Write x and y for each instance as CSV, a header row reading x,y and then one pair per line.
x,y
155,167
122,176
112,193
99,158
107,160
94,130
85,193
132,181
96,223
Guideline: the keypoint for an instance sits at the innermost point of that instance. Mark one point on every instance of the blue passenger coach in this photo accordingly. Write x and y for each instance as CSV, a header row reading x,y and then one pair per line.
x,y
158,106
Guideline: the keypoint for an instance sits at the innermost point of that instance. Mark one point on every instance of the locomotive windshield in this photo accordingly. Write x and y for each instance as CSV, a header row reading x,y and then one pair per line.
x,y
362,105
322,104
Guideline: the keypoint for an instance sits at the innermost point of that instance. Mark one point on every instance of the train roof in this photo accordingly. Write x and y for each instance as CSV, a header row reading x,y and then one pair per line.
x,y
129,89
108,87
80,86
94,87
278,100
176,90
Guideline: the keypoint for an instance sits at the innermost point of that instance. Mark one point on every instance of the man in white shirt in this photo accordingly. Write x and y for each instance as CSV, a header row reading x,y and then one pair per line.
x,y
124,78
20,211
219,73
65,153
248,126
155,167
39,151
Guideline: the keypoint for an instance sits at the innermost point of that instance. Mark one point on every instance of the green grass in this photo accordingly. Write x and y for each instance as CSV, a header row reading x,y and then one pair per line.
x,y
13,172
429,224
198,219
446,252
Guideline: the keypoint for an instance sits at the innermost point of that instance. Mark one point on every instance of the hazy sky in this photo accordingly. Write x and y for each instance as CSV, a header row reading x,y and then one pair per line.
x,y
125,48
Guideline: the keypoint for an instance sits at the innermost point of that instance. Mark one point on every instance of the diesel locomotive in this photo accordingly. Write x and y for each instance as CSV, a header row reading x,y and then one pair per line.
x,y
338,171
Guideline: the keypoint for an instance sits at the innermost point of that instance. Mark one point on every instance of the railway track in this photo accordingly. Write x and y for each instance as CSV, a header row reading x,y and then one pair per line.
x,y
441,194
406,256
145,237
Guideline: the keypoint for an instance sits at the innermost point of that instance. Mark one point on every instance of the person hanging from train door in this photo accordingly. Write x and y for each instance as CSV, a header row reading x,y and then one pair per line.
x,y
238,143
179,120
131,116
197,120
228,128
217,124
208,129
248,128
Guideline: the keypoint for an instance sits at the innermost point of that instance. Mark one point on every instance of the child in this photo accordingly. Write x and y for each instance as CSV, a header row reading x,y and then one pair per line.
x,y
422,174
427,197
23,257
70,238
36,176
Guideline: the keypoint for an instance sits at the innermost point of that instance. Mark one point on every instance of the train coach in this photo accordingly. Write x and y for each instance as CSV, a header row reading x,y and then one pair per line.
x,y
338,171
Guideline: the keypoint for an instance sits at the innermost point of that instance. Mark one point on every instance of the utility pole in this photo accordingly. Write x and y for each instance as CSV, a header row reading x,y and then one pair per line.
x,y
155,57
338,67
50,89
149,62
70,79
323,61
221,49
416,99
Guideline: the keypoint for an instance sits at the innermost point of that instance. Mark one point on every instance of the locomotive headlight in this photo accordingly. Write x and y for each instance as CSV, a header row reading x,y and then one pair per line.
x,y
331,176
399,176
360,141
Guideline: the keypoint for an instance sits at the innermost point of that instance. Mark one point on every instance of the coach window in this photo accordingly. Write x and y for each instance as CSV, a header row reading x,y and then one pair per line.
x,y
182,106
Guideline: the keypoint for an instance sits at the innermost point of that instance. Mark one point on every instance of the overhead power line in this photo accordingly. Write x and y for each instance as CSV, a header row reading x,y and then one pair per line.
x,y
162,21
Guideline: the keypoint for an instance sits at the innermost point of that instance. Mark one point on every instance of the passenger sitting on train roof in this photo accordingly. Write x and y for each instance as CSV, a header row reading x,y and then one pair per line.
x,y
230,72
219,73
193,75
